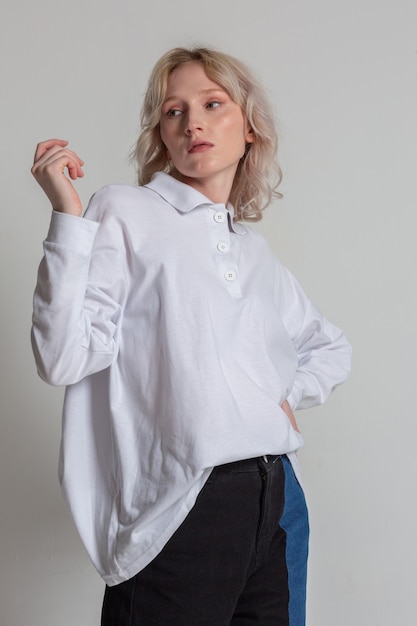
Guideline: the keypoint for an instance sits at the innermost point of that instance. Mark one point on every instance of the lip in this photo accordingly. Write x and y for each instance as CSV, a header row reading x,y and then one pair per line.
x,y
199,146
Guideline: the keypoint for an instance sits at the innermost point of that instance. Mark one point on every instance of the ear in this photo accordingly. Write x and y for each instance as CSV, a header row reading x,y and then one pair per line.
x,y
250,136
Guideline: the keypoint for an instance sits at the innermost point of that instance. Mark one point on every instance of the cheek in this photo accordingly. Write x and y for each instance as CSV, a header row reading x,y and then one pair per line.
x,y
237,129
166,131
165,143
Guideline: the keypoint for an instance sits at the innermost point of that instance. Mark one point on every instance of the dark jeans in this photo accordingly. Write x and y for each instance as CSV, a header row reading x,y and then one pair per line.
x,y
239,558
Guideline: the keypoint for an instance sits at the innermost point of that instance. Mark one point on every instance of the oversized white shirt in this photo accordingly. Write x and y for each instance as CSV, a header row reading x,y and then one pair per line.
x,y
178,335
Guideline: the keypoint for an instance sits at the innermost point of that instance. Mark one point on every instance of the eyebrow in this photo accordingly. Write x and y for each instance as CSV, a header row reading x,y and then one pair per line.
x,y
202,92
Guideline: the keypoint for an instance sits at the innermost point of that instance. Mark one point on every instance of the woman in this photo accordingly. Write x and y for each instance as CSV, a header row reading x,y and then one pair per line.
x,y
185,346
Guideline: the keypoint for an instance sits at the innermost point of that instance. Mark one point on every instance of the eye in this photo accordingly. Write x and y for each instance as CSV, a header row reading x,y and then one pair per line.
x,y
214,104
173,112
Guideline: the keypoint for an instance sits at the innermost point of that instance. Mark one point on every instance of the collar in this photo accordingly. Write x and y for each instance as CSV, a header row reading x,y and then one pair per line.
x,y
185,198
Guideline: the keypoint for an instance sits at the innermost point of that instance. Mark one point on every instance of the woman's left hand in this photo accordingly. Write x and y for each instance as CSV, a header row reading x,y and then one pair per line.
x,y
290,414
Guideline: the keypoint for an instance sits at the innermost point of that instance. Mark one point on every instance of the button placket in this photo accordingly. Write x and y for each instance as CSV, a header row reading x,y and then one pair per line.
x,y
224,260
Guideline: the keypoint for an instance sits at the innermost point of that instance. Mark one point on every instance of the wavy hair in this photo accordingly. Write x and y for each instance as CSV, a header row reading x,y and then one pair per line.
x,y
258,173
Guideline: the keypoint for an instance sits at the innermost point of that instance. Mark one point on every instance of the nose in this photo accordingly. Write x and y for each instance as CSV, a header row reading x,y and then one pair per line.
x,y
192,122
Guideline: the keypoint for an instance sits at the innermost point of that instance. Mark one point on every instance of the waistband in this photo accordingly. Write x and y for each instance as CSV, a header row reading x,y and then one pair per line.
x,y
248,465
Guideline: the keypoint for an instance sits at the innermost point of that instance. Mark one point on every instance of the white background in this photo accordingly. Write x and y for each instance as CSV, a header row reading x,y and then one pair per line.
x,y
342,76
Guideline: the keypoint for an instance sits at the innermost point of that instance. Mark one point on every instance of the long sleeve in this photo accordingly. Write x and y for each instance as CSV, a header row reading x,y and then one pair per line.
x,y
323,352
77,299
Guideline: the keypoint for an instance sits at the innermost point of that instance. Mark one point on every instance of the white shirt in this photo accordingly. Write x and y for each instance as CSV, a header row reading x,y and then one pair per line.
x,y
178,335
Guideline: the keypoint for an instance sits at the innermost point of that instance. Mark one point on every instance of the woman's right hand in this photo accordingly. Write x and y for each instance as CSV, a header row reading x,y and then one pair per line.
x,y
52,158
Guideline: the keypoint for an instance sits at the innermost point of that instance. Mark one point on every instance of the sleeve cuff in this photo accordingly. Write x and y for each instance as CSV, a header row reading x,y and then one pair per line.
x,y
71,231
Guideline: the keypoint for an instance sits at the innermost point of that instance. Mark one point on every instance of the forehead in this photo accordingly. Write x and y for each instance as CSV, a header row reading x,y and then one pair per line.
x,y
190,75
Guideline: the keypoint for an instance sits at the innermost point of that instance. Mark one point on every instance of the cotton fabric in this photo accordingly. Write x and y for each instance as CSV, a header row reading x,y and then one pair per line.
x,y
178,335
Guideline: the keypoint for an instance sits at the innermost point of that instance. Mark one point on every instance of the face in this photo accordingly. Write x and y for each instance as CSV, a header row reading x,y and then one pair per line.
x,y
204,131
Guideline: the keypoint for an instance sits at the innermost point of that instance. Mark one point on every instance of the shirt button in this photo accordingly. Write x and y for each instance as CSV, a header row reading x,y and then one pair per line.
x,y
230,275
219,217
222,247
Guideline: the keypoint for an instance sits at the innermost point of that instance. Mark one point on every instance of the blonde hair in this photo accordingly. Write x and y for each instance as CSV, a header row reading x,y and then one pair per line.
x,y
258,174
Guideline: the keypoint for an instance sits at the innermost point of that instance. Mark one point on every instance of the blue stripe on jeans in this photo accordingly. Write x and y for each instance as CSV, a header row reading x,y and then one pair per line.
x,y
294,522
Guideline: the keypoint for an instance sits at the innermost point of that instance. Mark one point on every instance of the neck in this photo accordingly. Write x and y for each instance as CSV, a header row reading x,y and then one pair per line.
x,y
216,191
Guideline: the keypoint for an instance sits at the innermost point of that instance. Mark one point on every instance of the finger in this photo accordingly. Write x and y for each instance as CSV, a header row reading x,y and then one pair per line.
x,y
45,149
74,170
53,169
57,158
44,146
